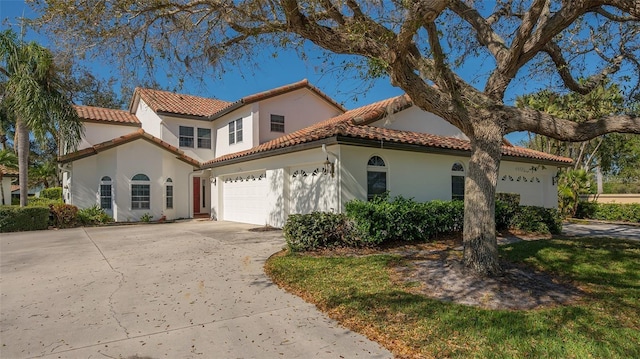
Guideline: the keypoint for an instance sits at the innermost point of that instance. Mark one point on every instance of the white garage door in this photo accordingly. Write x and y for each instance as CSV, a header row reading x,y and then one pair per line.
x,y
244,198
311,189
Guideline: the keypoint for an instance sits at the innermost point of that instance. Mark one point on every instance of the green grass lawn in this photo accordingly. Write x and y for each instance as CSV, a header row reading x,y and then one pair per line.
x,y
359,292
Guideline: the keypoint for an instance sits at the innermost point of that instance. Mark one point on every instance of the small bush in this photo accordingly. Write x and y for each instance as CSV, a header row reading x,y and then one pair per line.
x,y
507,205
537,220
92,216
64,215
627,212
146,218
52,193
42,202
15,219
304,232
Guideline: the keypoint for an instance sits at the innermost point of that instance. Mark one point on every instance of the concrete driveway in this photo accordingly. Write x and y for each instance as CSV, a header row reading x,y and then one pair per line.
x,y
601,230
183,290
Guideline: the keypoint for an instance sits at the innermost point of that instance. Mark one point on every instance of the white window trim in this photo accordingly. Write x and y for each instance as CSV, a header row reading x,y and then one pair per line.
x,y
384,169
193,137
462,174
100,184
138,182
235,131
197,135
168,183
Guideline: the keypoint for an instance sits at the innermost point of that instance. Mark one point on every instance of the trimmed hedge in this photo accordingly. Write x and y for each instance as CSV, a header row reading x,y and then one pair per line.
x,y
52,193
537,220
93,216
319,230
15,219
627,212
381,220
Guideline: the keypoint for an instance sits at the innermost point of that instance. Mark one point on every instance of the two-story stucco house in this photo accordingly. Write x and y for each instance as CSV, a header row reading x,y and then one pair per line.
x,y
289,150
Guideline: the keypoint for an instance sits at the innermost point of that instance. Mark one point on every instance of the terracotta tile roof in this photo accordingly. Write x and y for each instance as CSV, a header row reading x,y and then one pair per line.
x,y
276,92
8,172
105,115
140,134
353,124
180,104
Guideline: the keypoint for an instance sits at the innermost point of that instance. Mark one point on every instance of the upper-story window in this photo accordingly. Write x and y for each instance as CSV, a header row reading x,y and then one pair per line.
x,y
235,131
204,138
186,136
277,123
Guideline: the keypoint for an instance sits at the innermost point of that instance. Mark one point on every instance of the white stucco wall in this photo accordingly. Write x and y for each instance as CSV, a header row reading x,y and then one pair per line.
x,y
221,131
300,108
426,177
416,120
278,171
151,122
533,182
6,187
121,164
95,133
171,134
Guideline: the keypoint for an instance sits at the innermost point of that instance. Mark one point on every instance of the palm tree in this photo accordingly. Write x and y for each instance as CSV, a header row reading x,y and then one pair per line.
x,y
33,96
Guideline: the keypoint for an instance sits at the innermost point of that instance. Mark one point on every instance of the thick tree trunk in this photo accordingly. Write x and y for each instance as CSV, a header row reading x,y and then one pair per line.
x,y
480,244
23,160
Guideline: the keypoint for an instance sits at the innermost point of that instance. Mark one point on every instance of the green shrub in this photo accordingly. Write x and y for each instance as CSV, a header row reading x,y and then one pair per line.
x,y
64,215
93,215
381,220
42,202
316,230
507,205
627,212
537,220
146,218
52,193
14,219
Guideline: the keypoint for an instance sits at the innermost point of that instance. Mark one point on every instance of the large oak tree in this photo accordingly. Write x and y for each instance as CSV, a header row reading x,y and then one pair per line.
x,y
423,46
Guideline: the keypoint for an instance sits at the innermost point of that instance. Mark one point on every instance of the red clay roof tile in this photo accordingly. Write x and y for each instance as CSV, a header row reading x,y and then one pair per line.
x,y
105,115
8,172
180,104
354,124
140,134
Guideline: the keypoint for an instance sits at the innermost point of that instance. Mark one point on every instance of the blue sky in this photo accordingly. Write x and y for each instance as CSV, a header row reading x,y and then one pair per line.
x,y
273,72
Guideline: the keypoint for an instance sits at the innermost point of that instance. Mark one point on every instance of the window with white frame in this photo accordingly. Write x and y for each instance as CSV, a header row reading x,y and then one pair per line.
x,y
277,123
457,182
105,192
376,177
204,138
140,192
168,188
235,131
186,136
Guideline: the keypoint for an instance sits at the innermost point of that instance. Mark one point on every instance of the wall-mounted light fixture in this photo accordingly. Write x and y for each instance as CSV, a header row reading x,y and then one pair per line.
x,y
329,167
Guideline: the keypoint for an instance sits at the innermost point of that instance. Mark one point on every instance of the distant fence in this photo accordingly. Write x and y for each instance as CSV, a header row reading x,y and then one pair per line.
x,y
612,198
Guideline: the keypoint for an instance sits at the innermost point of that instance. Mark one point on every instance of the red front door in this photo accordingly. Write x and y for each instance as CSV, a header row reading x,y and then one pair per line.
x,y
196,195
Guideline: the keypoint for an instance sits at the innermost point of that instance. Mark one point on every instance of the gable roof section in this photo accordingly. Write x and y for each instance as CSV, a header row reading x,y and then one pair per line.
x,y
179,104
138,135
352,127
277,92
107,116
8,172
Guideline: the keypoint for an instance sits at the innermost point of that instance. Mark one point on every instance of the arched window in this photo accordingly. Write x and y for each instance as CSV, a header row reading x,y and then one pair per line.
x,y
376,177
140,192
457,181
106,193
168,188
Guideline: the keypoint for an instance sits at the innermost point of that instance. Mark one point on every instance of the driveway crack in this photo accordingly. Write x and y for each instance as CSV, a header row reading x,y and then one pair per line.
x,y
112,310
